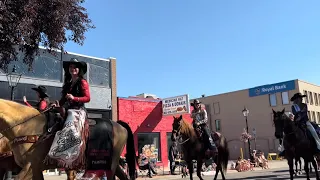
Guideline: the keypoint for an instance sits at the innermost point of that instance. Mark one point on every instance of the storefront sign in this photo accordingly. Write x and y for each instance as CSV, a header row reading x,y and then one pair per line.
x,y
272,88
176,105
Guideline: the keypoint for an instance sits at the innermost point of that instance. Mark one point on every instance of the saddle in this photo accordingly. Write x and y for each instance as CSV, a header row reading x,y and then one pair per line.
x,y
99,147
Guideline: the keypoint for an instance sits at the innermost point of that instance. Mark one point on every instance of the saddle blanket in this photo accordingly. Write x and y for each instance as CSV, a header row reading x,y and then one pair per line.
x,y
67,143
99,149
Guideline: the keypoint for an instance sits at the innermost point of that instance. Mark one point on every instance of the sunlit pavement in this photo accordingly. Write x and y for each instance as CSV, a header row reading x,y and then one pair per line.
x,y
273,174
279,171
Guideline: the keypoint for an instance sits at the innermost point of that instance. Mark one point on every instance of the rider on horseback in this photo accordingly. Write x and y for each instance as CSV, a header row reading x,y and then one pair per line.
x,y
43,98
300,111
200,119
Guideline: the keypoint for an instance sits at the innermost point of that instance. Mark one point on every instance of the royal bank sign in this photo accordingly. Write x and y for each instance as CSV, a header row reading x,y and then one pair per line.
x,y
272,88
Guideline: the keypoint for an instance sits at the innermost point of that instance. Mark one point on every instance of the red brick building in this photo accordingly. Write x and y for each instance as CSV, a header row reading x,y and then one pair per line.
x,y
145,118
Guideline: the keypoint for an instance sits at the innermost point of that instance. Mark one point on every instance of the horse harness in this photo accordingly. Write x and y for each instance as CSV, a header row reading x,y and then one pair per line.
x,y
28,138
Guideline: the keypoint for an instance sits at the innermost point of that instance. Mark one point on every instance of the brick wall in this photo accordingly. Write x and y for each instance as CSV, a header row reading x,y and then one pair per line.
x,y
145,115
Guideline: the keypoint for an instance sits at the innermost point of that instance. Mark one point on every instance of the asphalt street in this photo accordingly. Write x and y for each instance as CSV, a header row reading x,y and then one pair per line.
x,y
273,174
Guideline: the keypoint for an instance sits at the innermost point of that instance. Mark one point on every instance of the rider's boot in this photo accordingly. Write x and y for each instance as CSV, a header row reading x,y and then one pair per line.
x,y
314,134
212,145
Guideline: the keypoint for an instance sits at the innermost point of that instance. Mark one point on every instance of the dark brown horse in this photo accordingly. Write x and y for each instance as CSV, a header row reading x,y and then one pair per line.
x,y
193,148
17,120
296,142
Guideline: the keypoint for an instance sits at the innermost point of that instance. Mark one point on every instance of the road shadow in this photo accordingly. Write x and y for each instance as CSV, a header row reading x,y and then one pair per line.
x,y
281,171
273,177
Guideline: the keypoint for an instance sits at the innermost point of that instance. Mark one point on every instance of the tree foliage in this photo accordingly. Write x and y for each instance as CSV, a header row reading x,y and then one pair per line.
x,y
26,24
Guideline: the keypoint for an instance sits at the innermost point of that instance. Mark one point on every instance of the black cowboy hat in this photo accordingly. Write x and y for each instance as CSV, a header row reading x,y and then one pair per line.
x,y
297,95
41,90
80,64
196,101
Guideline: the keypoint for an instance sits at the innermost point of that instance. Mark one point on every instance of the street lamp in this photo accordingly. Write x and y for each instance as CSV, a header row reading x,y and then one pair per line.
x,y
13,80
245,113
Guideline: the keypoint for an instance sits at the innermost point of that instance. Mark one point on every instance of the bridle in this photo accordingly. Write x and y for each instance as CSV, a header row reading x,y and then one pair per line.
x,y
22,122
179,136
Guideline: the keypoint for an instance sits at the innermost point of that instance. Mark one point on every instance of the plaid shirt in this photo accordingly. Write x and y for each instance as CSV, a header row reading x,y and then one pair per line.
x,y
199,117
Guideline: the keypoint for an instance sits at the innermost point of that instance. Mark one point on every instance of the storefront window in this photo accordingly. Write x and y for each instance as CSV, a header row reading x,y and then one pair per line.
x,y
150,142
169,141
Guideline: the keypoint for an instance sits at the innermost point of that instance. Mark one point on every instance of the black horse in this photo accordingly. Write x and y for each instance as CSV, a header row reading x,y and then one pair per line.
x,y
296,141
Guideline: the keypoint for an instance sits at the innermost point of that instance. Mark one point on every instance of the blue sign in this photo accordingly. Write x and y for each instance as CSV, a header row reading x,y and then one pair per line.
x,y
272,88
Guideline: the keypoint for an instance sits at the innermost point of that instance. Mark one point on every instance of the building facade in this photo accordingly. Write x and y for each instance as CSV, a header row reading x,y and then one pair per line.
x,y
48,71
225,113
149,126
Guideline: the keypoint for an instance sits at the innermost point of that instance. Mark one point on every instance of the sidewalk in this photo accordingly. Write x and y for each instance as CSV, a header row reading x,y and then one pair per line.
x,y
272,164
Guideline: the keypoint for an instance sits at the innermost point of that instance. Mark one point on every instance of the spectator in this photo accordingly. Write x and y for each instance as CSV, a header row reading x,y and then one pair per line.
x,y
144,164
173,152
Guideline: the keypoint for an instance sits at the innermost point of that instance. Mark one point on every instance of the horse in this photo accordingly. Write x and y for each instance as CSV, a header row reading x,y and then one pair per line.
x,y
296,142
17,120
7,162
193,148
297,160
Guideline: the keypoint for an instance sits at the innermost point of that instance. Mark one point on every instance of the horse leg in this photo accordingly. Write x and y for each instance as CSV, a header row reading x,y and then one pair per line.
x,y
2,173
25,173
296,164
120,174
300,169
36,170
315,166
290,163
190,167
199,168
217,172
306,168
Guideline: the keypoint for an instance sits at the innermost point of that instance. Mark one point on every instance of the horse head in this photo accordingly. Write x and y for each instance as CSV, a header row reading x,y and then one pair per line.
x,y
278,121
16,119
176,126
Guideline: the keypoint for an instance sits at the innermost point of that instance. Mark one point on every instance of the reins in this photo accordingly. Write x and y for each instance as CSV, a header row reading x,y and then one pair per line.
x,y
11,127
179,136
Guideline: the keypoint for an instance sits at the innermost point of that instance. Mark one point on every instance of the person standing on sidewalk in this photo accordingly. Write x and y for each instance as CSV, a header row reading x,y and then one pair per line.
x,y
173,152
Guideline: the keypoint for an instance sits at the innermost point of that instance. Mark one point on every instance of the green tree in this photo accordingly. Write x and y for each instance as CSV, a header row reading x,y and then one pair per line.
x,y
26,24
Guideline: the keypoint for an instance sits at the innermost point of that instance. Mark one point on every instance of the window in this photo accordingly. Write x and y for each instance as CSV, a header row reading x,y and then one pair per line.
x,y
216,108
285,97
273,99
45,66
311,97
309,116
319,99
314,118
218,125
305,93
318,119
152,140
169,142
316,99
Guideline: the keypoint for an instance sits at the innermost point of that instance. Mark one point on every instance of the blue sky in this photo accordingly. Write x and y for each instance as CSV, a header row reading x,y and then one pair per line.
x,y
170,48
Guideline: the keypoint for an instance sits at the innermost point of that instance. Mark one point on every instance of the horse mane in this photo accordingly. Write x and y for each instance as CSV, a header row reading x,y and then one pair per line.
x,y
11,111
187,129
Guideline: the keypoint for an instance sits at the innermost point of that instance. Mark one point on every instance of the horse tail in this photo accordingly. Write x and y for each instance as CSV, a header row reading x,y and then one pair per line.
x,y
223,154
131,153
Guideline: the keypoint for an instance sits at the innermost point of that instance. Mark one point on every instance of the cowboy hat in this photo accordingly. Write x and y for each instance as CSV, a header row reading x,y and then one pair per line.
x,y
196,101
41,90
297,95
80,64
